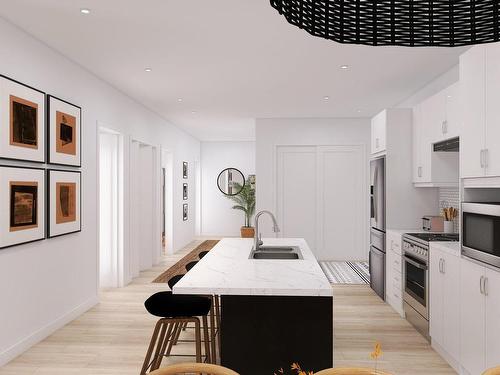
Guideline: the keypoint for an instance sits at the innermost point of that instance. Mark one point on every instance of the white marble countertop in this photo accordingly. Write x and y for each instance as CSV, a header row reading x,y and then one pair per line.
x,y
227,270
451,247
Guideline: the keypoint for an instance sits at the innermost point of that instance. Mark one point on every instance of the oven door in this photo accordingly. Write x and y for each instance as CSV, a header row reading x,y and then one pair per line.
x,y
481,232
416,281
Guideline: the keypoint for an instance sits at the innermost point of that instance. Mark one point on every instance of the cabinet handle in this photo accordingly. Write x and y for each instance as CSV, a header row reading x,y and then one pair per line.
x,y
486,157
376,143
481,156
419,171
485,286
444,127
443,266
481,285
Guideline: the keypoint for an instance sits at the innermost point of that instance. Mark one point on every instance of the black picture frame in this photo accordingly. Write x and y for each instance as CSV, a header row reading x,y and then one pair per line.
x,y
185,170
47,132
185,212
44,126
43,207
185,191
49,207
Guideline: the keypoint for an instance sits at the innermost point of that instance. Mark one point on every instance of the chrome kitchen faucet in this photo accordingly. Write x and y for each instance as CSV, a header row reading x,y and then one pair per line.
x,y
258,237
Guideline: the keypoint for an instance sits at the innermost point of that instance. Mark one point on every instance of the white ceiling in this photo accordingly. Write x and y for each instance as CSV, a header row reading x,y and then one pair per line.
x,y
231,61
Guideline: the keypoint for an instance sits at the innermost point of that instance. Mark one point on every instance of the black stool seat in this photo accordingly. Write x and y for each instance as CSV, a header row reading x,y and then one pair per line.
x,y
202,254
174,280
191,265
168,305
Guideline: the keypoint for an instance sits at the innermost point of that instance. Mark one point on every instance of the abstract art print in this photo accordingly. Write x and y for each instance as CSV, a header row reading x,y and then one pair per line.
x,y
185,191
185,170
64,202
184,211
64,132
22,122
22,205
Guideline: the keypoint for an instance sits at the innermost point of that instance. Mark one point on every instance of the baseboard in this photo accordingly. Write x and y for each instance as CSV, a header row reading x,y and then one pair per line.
x,y
444,354
27,342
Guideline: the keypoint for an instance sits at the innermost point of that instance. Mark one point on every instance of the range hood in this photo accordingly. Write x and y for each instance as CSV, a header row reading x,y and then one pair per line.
x,y
449,145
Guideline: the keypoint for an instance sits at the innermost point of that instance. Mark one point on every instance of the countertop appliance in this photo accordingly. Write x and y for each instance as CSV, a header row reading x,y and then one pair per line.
x,y
377,224
433,223
481,232
416,277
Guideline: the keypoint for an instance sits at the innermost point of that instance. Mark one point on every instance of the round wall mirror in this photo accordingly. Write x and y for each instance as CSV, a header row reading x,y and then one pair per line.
x,y
231,181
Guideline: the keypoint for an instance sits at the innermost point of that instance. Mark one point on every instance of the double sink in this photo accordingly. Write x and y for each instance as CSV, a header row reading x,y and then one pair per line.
x,y
276,252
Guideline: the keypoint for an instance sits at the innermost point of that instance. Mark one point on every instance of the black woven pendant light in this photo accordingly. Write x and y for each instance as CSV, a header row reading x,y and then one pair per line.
x,y
396,22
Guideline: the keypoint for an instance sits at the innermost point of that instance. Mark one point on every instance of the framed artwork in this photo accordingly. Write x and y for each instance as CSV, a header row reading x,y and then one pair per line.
x,y
22,205
185,170
22,122
185,191
184,211
63,132
64,202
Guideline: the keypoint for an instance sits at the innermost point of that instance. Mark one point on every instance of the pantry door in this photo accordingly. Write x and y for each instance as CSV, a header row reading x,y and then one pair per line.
x,y
321,196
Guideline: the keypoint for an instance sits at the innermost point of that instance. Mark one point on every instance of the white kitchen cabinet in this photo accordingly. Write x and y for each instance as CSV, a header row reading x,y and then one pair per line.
x,y
444,298
479,317
432,169
433,116
379,133
452,125
393,267
492,286
480,95
492,135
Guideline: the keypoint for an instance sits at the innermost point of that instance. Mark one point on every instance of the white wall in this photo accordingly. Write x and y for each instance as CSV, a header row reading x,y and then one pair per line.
x,y
45,284
217,216
295,132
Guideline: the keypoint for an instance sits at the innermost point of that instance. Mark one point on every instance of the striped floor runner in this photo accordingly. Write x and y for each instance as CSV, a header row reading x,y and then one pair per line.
x,y
346,272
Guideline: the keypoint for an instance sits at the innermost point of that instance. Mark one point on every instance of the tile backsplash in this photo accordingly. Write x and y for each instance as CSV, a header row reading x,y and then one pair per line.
x,y
450,197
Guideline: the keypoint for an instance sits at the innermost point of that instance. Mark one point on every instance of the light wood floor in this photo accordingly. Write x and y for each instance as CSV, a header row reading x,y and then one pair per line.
x,y
112,337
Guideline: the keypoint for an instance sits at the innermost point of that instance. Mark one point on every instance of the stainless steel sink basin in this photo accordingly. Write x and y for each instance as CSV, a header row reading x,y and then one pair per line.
x,y
276,252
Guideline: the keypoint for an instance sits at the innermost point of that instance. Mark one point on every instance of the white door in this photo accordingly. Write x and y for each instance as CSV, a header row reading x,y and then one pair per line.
x,y
493,110
321,197
472,318
492,318
472,97
341,192
451,294
296,192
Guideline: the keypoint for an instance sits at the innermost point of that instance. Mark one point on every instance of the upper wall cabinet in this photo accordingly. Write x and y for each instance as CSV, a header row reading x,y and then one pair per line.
x,y
479,101
379,133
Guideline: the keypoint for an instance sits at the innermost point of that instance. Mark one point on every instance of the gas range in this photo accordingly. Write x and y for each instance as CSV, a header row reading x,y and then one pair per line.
x,y
417,244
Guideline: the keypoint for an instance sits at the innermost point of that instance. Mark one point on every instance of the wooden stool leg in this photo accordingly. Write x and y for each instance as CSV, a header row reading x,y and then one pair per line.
x,y
178,333
212,333
207,340
152,344
173,340
162,341
197,332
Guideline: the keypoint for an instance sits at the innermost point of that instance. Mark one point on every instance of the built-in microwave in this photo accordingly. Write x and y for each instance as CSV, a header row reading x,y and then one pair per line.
x,y
481,232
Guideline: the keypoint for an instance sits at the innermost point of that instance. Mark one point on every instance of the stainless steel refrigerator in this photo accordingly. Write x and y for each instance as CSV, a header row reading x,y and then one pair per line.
x,y
377,224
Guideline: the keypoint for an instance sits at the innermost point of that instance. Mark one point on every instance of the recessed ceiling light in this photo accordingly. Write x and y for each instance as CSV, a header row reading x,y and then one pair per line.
x,y
85,11
326,98
148,70
179,100
193,112
359,111
344,67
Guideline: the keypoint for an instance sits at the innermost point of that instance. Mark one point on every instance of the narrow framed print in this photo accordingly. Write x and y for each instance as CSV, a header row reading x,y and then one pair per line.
x,y
185,170
22,121
22,205
184,211
64,132
185,191
64,202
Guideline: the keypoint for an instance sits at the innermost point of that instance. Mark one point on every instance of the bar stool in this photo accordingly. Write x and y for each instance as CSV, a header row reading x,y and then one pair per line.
x,y
191,265
202,254
214,320
173,311
189,368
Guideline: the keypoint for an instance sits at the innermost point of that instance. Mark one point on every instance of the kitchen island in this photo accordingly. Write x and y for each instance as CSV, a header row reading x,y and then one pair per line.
x,y
274,312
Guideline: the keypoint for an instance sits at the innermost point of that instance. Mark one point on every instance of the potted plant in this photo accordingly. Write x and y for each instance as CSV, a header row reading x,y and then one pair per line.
x,y
245,201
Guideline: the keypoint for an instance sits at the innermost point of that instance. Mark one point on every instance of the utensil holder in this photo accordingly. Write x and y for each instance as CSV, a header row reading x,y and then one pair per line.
x,y
449,227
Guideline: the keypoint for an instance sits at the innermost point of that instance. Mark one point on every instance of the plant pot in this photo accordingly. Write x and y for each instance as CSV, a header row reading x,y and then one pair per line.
x,y
247,232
